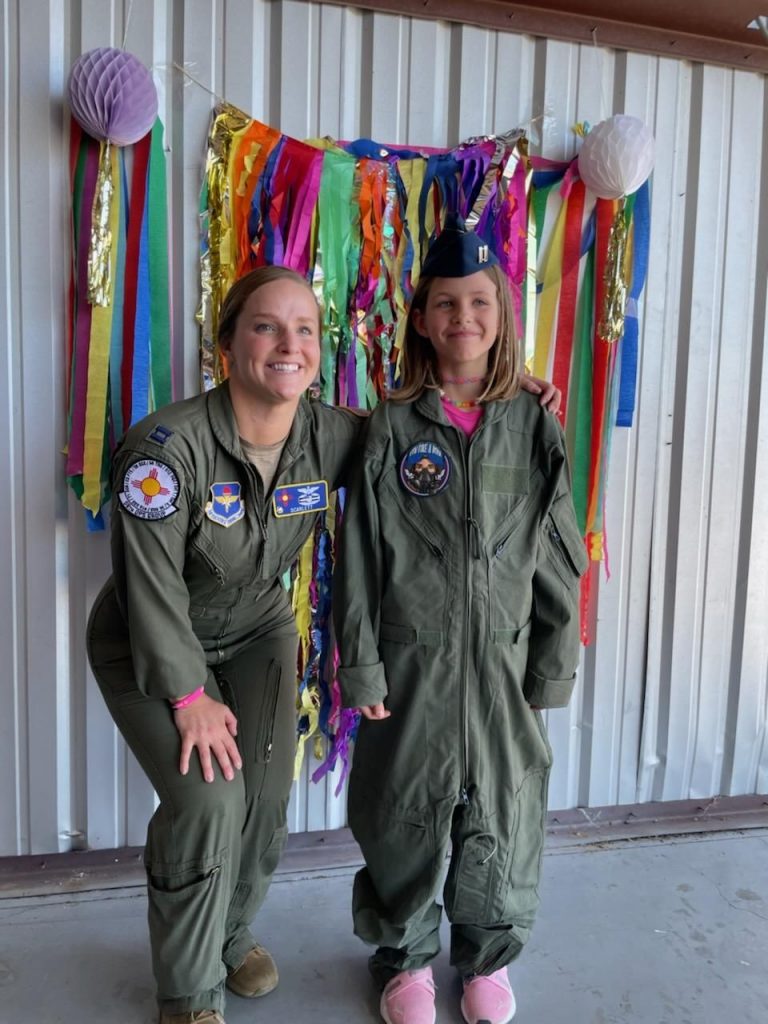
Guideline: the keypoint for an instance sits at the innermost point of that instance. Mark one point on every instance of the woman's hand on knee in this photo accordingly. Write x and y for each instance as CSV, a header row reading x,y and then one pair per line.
x,y
209,726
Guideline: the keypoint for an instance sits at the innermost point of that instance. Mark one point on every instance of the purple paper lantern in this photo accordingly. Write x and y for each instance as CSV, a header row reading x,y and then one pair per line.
x,y
112,96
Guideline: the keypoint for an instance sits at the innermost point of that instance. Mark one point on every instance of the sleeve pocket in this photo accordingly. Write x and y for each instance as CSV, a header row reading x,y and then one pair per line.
x,y
566,539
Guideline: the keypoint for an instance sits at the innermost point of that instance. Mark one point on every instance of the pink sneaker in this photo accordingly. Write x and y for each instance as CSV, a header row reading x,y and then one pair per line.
x,y
409,998
488,999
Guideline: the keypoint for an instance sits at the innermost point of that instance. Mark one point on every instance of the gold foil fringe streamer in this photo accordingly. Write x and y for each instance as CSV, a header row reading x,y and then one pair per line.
x,y
216,270
611,326
100,248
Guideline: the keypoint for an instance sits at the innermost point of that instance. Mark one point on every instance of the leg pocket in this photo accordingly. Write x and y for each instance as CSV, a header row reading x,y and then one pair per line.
x,y
187,914
266,726
518,897
271,856
470,885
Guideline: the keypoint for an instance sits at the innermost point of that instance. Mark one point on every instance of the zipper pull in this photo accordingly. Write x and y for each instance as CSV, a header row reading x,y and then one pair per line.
x,y
464,796
475,533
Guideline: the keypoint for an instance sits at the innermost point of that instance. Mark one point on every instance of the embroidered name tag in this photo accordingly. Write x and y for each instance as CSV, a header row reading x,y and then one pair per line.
x,y
150,489
226,505
298,499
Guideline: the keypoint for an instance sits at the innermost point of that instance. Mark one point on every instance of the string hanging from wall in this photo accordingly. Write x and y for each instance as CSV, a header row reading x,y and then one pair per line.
x,y
119,338
356,219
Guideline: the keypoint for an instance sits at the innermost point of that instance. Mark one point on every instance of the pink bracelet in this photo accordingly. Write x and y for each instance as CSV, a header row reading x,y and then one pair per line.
x,y
184,702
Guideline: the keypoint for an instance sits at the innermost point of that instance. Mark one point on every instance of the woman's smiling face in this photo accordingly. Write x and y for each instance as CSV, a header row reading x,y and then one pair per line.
x,y
274,352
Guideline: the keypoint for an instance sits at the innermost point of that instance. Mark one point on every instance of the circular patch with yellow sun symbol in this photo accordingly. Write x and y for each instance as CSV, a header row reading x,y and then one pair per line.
x,y
150,489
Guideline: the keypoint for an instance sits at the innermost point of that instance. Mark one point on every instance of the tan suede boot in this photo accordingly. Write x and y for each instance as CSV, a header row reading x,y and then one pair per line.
x,y
255,976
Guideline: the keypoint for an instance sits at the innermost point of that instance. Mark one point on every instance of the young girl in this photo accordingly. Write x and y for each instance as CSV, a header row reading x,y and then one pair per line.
x,y
457,619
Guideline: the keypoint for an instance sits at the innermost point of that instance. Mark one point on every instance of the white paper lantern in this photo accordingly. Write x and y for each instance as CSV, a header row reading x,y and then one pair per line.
x,y
617,156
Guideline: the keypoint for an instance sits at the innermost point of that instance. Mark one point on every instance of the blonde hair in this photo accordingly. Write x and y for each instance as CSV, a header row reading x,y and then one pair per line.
x,y
418,366
241,290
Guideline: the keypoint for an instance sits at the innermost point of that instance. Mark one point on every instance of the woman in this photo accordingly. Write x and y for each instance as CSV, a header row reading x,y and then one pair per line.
x,y
193,642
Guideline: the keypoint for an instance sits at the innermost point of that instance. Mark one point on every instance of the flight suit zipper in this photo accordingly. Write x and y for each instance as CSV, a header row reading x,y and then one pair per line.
x,y
472,553
261,504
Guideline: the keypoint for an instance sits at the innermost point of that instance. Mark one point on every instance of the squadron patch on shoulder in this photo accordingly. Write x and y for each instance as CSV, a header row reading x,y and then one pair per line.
x,y
226,506
425,469
299,499
150,489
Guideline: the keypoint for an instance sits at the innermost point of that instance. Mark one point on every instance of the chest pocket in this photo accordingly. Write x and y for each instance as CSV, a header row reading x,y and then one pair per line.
x,y
286,538
504,495
220,559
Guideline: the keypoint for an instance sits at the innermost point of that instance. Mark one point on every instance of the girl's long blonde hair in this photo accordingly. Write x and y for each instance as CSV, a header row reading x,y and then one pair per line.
x,y
418,365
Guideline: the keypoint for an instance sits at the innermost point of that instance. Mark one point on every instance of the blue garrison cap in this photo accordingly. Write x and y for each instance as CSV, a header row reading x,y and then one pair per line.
x,y
457,252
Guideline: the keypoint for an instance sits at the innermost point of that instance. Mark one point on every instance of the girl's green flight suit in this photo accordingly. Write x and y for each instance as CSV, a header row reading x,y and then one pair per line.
x,y
457,604
196,597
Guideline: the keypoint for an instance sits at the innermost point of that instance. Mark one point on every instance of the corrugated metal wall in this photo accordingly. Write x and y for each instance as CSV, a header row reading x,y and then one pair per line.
x,y
672,698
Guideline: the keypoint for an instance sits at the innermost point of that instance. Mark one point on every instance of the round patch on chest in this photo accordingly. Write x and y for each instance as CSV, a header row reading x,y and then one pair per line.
x,y
150,489
425,469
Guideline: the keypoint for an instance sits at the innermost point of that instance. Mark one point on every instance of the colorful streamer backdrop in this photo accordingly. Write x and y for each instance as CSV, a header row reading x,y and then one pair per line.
x,y
356,219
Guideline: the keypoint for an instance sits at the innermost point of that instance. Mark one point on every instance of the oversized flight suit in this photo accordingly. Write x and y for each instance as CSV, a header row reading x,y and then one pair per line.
x,y
456,604
196,597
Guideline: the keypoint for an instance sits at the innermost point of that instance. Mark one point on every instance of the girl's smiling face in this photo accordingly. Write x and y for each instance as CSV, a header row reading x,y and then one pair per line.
x,y
461,320
274,351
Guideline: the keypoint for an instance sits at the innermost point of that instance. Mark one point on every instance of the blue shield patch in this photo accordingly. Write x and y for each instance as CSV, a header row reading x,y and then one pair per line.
x,y
226,504
299,499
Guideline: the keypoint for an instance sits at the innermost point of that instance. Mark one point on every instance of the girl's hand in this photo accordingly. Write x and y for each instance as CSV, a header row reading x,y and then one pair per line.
x,y
375,712
549,396
210,726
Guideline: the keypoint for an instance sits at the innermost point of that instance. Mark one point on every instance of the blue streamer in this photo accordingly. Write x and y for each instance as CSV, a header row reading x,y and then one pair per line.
x,y
629,343
369,149
141,350
93,523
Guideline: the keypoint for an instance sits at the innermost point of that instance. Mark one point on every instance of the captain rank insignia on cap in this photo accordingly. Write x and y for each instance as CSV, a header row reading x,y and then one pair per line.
x,y
299,499
226,506
456,252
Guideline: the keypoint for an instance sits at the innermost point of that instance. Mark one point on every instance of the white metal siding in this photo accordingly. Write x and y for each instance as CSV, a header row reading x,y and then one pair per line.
x,y
672,698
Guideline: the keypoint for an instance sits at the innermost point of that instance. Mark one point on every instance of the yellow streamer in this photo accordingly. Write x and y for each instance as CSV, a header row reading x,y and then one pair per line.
x,y
550,293
309,707
98,358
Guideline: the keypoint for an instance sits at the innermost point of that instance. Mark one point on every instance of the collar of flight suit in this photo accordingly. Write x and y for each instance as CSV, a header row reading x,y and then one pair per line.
x,y
430,405
224,426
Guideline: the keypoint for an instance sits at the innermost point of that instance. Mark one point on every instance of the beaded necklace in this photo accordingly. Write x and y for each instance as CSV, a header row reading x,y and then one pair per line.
x,y
458,403
471,403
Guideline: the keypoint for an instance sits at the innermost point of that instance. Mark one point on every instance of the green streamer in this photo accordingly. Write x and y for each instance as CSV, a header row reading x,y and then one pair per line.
x,y
335,245
159,293
579,428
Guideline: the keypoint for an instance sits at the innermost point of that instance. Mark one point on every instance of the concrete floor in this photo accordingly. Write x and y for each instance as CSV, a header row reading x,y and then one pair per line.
x,y
671,931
